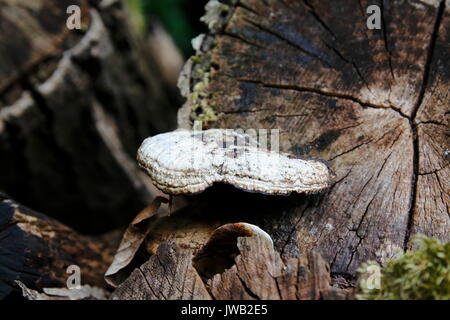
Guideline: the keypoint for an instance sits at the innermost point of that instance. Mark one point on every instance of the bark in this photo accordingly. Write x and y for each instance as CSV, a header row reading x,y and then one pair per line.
x,y
374,103
37,250
74,107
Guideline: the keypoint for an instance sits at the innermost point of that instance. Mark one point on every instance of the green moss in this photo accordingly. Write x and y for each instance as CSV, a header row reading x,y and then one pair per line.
x,y
417,275
195,59
201,98
201,110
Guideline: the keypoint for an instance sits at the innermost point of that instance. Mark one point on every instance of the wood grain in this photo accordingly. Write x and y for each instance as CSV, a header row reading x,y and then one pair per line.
x,y
374,103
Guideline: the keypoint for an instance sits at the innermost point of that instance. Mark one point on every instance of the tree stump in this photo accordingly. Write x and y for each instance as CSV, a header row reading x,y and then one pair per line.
x,y
374,103
74,107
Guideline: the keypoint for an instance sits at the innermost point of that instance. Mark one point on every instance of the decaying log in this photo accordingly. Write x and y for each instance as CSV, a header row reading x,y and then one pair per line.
x,y
37,250
74,107
169,274
258,272
374,103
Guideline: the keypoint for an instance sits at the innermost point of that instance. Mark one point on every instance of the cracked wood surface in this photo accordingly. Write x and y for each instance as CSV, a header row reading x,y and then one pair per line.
x,y
74,108
258,273
430,214
375,103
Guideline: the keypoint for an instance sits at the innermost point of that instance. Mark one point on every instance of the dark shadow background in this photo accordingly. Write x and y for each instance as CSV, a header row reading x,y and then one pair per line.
x,y
180,18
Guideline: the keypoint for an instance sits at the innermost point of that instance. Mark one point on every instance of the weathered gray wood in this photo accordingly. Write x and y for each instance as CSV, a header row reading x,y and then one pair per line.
x,y
258,273
168,275
430,215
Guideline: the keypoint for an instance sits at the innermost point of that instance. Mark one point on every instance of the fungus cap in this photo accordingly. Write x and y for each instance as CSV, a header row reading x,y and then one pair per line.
x,y
187,162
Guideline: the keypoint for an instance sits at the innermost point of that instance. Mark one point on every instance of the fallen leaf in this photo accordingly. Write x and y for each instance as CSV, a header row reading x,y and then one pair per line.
x,y
131,242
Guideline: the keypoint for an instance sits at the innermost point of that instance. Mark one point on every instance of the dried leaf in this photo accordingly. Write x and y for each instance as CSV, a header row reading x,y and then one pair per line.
x,y
131,242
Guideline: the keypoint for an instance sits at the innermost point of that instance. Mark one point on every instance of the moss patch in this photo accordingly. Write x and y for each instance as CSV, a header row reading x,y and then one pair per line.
x,y
201,98
423,274
201,108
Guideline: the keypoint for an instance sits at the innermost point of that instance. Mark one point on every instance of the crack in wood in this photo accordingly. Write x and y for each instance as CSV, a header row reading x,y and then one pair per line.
x,y
293,230
238,37
416,147
289,115
350,150
313,12
384,164
432,122
325,93
339,181
351,63
246,111
434,171
385,39
361,237
239,4
147,282
356,230
289,42
247,289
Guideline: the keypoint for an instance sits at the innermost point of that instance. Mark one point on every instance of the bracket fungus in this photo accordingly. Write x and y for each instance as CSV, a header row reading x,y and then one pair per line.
x,y
188,162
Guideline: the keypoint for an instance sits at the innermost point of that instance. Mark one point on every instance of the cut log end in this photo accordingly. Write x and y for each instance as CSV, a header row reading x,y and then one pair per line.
x,y
374,103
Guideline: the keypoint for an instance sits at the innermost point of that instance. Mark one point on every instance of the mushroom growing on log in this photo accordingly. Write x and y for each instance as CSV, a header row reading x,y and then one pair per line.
x,y
374,103
187,162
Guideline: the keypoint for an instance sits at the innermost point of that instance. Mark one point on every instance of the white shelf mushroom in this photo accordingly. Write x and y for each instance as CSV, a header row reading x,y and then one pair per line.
x,y
187,162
